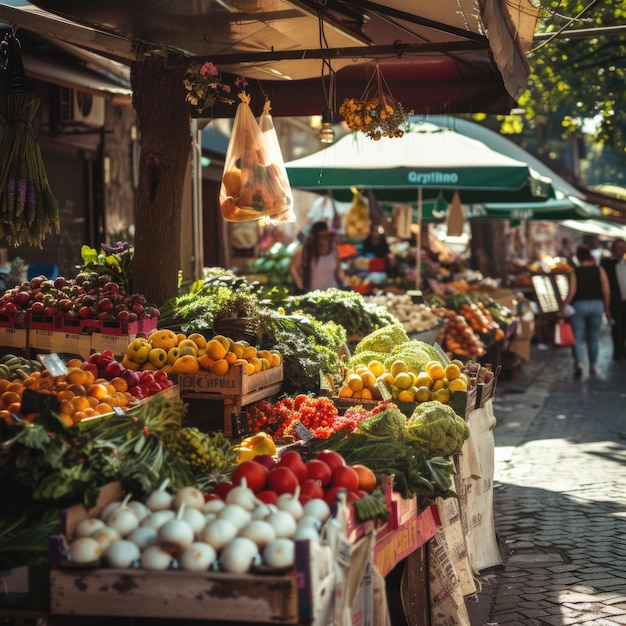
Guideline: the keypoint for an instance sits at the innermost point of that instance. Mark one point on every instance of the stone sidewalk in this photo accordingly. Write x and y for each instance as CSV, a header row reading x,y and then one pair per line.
x,y
559,497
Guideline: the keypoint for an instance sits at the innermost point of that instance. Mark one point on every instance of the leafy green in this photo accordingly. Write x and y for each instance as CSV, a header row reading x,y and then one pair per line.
x,y
383,339
439,430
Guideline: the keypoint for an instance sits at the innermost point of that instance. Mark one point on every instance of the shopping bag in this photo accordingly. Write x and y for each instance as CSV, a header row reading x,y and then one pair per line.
x,y
275,156
253,185
563,334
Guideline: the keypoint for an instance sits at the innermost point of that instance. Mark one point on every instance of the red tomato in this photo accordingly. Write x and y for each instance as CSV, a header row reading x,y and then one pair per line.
x,y
294,462
254,473
265,459
331,458
222,488
345,476
282,480
319,470
311,488
331,495
268,496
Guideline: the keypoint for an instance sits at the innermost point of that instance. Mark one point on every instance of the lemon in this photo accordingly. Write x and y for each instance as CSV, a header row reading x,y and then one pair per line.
x,y
406,396
423,394
424,380
403,380
441,395
355,382
397,367
458,384
435,370
376,367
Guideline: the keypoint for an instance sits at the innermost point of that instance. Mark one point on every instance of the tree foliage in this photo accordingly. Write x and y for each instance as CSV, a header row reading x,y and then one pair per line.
x,y
573,81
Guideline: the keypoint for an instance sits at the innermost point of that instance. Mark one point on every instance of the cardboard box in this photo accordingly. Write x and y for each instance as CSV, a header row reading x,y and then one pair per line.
x,y
56,342
116,343
16,338
235,383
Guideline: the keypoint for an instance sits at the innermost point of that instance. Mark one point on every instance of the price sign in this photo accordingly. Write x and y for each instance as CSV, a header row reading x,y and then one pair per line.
x,y
302,431
53,363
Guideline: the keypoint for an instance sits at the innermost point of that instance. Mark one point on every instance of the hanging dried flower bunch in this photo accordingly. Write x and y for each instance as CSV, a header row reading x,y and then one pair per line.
x,y
377,113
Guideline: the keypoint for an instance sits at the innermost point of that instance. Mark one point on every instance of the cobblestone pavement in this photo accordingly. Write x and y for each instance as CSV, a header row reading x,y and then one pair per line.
x,y
559,496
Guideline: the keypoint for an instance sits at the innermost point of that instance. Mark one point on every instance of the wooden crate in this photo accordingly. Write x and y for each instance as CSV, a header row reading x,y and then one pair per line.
x,y
236,389
174,594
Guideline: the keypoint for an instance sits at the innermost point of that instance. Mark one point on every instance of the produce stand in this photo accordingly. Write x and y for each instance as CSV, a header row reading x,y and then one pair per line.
x,y
236,390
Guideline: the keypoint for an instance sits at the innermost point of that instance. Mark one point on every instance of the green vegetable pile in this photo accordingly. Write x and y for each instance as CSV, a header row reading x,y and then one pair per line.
x,y
437,428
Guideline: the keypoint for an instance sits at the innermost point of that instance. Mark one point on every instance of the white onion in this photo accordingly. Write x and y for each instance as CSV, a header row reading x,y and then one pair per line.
x,y
280,553
88,526
197,557
85,550
284,524
155,558
143,537
122,554
260,531
219,532
237,555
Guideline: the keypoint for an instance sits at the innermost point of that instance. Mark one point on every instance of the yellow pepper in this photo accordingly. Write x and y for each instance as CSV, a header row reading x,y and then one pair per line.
x,y
261,443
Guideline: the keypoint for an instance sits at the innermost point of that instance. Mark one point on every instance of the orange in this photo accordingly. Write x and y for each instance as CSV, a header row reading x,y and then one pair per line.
x,y
4,383
439,384
458,384
205,362
119,384
78,416
80,403
422,394
355,382
376,367
219,367
424,380
238,348
66,419
77,390
73,363
15,408
435,370
367,478
369,379
249,352
406,395
91,412
385,377
250,369
345,391
93,401
442,395
180,337
67,407
277,358
225,341
231,179
8,398
15,386
97,390
258,366
215,350
103,408
64,394
366,393
452,371
230,358
403,380
264,354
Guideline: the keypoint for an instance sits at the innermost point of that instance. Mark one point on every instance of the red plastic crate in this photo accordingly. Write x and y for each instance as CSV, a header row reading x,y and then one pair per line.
x,y
11,321
41,322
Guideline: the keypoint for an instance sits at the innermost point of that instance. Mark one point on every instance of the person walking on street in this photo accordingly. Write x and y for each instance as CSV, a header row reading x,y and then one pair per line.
x,y
617,305
316,263
589,296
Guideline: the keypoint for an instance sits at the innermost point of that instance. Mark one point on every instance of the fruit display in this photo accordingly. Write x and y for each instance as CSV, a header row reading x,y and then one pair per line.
x,y
458,338
90,388
14,367
415,317
176,353
275,263
86,297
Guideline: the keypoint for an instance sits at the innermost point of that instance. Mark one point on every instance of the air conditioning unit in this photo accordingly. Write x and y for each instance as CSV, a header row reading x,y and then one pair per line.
x,y
80,108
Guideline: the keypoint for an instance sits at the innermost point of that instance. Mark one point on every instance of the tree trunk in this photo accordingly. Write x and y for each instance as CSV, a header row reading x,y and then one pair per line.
x,y
164,126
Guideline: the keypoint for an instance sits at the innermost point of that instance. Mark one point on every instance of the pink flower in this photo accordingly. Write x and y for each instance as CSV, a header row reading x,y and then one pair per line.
x,y
208,69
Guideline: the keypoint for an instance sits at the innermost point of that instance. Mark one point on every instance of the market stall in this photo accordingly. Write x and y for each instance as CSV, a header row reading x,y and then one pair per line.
x,y
373,513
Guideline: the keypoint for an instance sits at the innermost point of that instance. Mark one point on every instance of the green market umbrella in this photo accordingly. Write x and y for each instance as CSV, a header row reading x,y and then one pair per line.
x,y
437,160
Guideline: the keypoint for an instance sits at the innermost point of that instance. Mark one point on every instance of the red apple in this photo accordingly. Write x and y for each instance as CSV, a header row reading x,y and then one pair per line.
x,y
113,370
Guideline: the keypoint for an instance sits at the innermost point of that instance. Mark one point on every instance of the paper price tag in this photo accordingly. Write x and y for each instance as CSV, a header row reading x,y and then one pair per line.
x,y
53,363
302,431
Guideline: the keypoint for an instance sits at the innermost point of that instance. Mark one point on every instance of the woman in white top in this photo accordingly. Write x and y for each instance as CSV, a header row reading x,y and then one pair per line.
x,y
316,264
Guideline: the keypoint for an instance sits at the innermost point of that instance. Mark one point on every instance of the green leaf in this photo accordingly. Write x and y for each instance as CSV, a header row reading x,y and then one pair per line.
x,y
88,254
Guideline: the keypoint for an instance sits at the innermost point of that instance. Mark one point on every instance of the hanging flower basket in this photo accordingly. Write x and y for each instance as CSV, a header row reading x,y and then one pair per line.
x,y
204,86
377,113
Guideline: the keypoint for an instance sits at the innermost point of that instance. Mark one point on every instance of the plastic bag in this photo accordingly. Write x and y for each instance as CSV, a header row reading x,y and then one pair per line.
x,y
253,184
563,334
266,124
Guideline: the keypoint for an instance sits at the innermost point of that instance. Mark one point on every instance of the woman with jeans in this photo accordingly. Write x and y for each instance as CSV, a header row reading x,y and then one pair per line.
x,y
589,296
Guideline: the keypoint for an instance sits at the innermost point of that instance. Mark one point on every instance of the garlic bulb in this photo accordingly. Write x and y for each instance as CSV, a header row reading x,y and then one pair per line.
x,y
155,558
122,554
280,553
237,555
189,496
88,526
85,550
197,557
160,499
260,531
219,532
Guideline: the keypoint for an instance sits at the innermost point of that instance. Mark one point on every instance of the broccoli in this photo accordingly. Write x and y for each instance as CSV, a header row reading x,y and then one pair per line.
x,y
438,429
383,339
386,425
